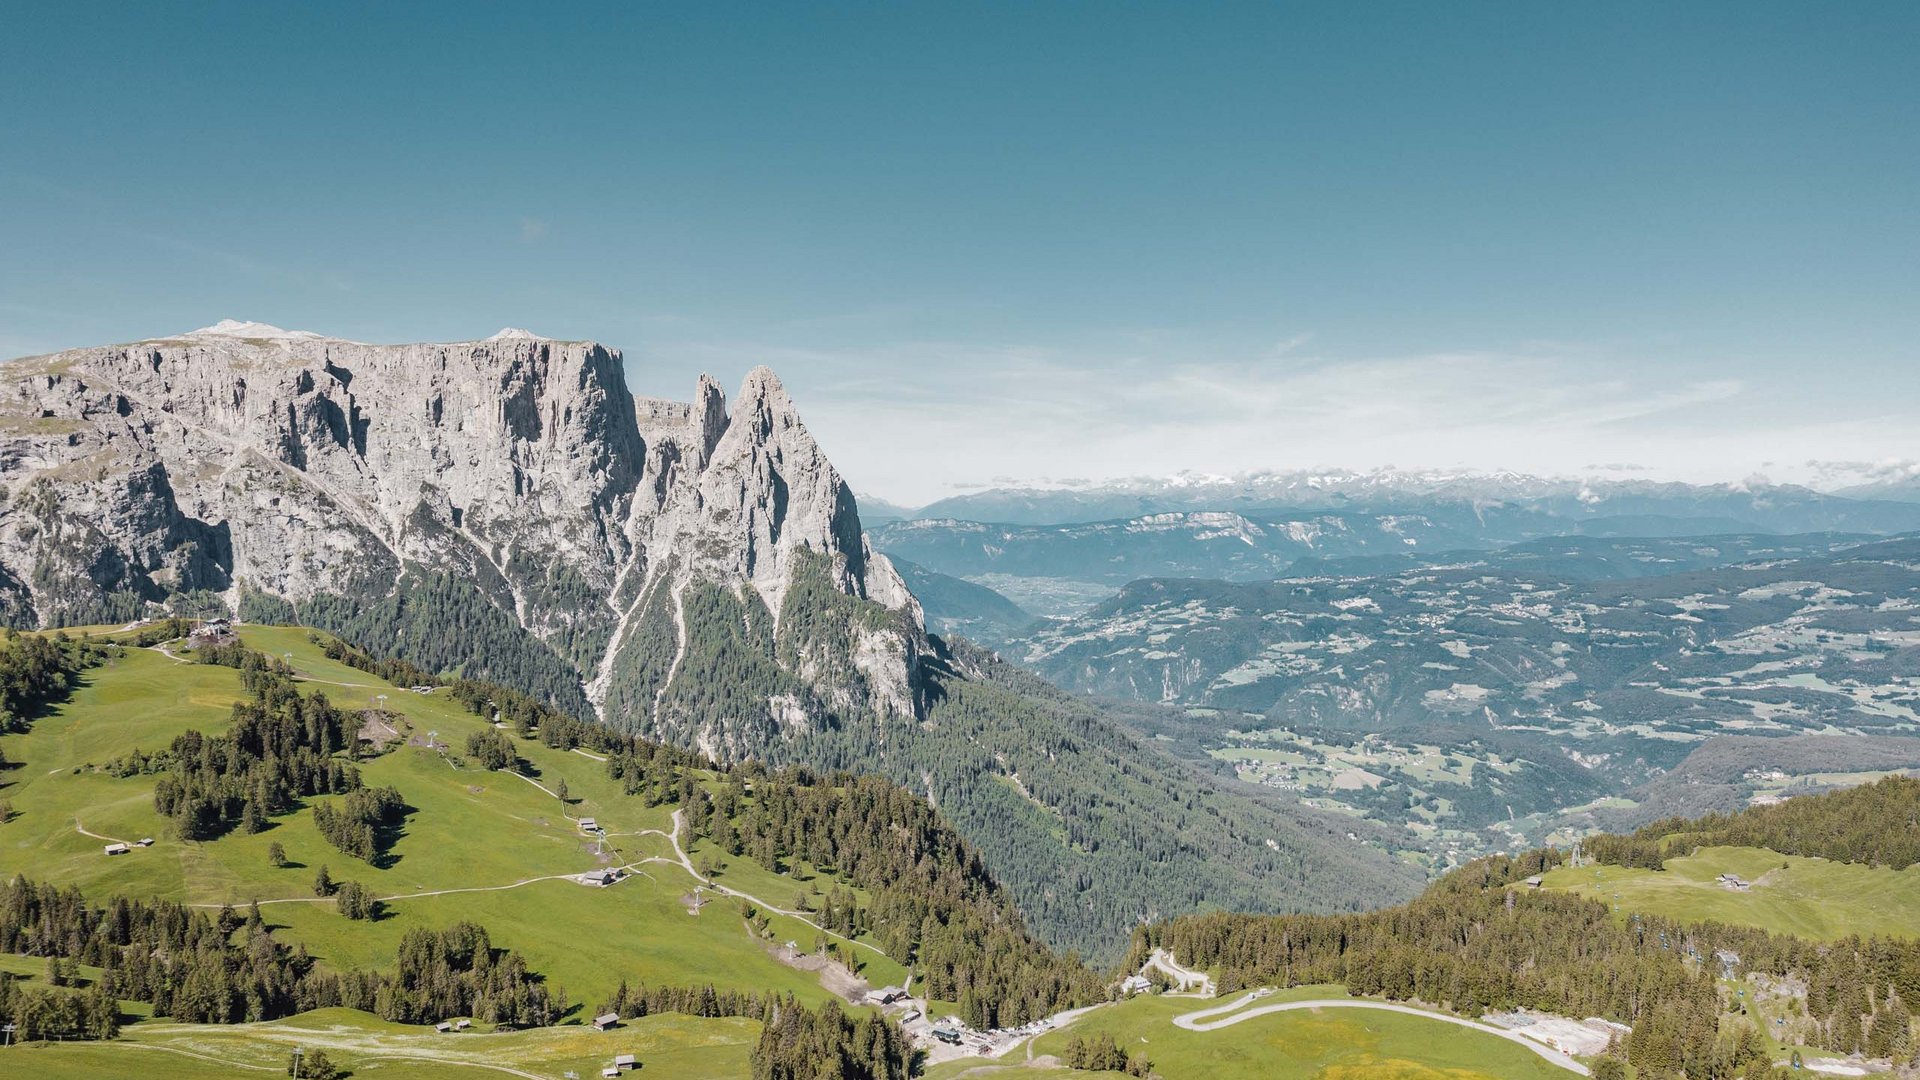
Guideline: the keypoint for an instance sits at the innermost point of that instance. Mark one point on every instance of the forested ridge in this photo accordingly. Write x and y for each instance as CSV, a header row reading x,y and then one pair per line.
x,y
1091,830
1479,940
443,623
1876,824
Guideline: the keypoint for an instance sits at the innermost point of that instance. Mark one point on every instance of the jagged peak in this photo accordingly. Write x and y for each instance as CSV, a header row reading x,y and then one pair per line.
x,y
761,382
710,415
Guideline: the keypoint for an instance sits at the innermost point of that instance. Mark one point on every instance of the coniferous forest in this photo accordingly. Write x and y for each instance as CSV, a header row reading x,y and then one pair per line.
x,y
1875,824
934,902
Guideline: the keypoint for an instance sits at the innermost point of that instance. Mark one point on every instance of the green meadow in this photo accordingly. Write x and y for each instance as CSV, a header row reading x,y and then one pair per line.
x,y
489,847
1810,898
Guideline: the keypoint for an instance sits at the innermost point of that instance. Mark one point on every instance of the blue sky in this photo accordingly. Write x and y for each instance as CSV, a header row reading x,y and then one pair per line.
x,y
1032,240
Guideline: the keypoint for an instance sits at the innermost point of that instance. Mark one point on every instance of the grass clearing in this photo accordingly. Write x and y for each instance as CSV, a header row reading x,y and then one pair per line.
x,y
1811,898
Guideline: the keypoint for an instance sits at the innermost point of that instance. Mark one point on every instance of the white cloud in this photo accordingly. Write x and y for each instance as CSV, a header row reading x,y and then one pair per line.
x,y
1890,470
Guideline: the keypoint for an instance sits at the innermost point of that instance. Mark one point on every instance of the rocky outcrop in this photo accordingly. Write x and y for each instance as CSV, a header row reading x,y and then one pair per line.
x,y
245,460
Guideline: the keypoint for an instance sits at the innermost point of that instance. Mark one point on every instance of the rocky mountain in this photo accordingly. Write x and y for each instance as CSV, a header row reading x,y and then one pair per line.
x,y
691,571
874,509
515,478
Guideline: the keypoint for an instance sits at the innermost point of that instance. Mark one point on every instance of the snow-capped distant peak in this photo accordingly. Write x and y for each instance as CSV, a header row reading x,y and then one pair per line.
x,y
234,328
514,333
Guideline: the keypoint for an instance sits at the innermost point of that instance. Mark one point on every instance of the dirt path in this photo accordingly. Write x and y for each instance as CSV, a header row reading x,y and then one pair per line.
x,y
84,831
317,1039
1203,1021
537,784
195,1054
632,869
687,865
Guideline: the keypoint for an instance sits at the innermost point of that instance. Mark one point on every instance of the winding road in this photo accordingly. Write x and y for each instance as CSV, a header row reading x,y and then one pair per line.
x,y
1235,1011
1163,961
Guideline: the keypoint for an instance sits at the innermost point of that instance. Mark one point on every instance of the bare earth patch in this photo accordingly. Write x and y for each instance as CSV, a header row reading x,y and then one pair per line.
x,y
834,976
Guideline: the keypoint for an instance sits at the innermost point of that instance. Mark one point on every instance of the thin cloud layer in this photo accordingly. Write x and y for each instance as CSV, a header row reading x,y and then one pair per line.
x,y
948,416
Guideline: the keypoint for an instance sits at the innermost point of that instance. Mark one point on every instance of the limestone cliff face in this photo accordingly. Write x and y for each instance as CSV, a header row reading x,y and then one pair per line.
x,y
243,460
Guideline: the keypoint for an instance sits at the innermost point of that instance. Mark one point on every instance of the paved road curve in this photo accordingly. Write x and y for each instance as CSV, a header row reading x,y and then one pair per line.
x,y
1204,1020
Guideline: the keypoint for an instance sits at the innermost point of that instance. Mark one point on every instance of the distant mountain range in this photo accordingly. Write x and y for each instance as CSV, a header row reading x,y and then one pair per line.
x,y
1058,551
1757,507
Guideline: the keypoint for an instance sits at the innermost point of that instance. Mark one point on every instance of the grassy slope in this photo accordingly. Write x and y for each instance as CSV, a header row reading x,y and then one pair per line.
x,y
1331,1044
469,830
669,1046
1810,898
473,829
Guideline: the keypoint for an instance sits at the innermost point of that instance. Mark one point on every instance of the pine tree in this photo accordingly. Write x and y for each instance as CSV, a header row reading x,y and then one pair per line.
x,y
253,817
1892,1035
